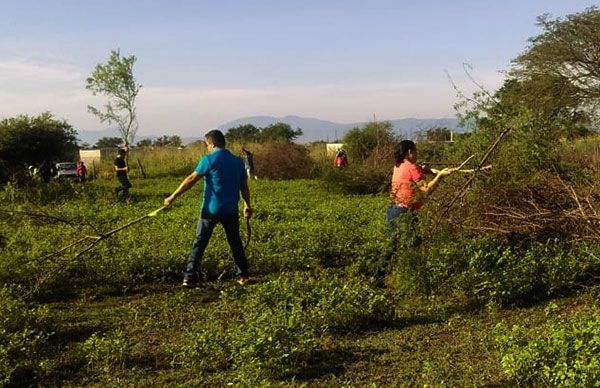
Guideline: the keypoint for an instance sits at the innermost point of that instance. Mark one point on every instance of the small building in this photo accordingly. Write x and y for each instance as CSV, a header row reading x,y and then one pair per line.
x,y
98,155
332,148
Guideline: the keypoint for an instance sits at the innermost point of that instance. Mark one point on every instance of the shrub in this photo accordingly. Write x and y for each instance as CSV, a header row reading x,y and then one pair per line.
x,y
490,271
561,353
105,352
361,141
283,160
276,325
23,334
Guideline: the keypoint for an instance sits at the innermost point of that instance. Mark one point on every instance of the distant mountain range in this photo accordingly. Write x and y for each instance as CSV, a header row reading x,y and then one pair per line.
x,y
317,129
313,129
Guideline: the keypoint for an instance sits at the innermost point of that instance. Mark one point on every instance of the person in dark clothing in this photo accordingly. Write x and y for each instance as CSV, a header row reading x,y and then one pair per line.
x,y
121,172
46,171
248,159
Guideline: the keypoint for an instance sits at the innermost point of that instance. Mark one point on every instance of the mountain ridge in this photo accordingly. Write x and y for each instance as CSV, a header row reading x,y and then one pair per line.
x,y
314,129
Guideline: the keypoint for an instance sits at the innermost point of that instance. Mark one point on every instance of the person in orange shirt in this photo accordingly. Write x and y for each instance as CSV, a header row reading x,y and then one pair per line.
x,y
409,188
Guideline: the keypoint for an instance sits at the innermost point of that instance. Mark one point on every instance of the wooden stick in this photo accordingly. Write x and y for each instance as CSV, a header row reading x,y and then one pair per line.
x,y
467,184
64,264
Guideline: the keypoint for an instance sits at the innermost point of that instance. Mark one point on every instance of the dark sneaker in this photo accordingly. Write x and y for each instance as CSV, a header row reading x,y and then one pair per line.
x,y
243,280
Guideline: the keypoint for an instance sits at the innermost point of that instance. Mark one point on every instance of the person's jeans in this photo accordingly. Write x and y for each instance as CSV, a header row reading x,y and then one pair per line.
x,y
125,186
398,220
206,225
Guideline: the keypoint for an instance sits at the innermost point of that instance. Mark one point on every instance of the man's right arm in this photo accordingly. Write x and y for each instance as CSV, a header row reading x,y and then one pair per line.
x,y
185,185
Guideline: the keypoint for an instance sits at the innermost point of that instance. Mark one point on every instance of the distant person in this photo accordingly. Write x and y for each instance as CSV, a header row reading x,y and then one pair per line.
x,y
248,159
46,171
33,171
341,159
81,172
121,172
407,193
224,180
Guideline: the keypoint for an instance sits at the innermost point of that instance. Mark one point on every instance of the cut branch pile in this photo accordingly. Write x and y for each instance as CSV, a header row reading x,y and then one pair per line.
x,y
552,209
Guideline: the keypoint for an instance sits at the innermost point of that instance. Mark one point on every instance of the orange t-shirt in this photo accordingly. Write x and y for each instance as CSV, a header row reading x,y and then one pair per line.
x,y
404,185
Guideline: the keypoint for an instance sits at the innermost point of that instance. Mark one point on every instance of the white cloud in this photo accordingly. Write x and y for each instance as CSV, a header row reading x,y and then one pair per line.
x,y
19,69
191,110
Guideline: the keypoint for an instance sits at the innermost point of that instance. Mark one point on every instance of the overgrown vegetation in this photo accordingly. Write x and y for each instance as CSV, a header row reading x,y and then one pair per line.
x,y
501,291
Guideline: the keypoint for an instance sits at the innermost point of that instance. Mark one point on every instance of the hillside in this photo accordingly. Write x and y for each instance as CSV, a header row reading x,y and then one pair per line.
x,y
314,129
317,129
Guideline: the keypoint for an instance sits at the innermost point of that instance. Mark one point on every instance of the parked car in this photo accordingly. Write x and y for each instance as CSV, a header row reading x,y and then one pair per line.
x,y
66,170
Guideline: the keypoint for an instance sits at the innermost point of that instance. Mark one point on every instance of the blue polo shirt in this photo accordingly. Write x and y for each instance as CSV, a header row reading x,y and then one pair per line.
x,y
223,175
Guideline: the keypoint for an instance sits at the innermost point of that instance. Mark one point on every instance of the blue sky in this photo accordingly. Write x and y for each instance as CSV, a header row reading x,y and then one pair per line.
x,y
203,63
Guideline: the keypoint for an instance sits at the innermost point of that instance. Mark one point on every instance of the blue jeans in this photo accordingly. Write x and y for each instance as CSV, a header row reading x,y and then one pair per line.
x,y
206,225
398,220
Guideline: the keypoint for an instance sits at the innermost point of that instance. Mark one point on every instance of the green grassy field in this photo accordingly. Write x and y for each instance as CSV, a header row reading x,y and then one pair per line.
x,y
117,316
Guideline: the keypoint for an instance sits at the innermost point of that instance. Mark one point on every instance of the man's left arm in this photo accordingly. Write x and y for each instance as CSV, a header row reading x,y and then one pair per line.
x,y
245,191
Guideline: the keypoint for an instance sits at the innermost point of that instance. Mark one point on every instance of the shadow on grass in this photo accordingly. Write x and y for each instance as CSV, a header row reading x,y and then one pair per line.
x,y
331,362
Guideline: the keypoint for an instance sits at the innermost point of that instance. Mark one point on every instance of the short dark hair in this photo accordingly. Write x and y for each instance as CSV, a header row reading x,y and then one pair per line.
x,y
216,137
403,148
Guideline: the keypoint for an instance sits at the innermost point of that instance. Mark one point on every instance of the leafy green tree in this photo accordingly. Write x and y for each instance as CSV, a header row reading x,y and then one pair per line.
x,y
144,143
242,133
27,140
279,132
436,134
558,76
115,80
168,141
361,141
108,142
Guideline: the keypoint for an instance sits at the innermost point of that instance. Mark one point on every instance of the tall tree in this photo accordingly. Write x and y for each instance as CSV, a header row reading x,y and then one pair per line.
x,y
115,80
144,143
108,142
168,141
242,133
558,75
280,131
360,141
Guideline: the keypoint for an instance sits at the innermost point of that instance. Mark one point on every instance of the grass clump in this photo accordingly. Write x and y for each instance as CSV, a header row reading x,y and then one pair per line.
x,y
561,353
23,334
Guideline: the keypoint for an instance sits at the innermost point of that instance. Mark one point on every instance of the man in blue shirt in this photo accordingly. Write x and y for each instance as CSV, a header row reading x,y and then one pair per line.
x,y
224,179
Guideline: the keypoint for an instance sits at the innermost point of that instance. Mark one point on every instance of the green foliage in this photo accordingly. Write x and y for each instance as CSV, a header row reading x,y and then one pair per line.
x,y
279,132
105,352
283,160
27,140
436,134
559,71
167,141
311,252
115,80
22,336
487,271
277,325
561,353
242,133
355,179
276,132
108,142
361,141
